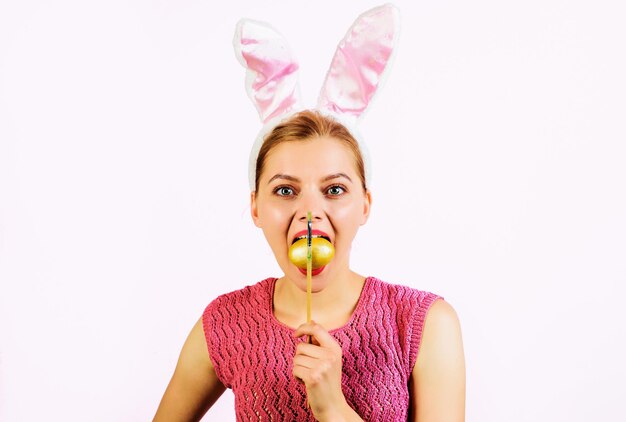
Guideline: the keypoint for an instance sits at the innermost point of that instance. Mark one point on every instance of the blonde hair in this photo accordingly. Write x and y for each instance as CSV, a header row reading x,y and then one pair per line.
x,y
307,125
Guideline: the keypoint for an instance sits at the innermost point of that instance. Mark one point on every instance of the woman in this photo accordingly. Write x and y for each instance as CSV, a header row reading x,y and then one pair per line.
x,y
380,351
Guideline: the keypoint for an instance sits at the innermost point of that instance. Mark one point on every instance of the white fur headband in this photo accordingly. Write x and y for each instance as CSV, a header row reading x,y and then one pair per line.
x,y
356,72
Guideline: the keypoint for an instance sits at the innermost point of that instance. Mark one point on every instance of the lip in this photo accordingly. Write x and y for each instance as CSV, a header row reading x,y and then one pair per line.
x,y
313,272
305,232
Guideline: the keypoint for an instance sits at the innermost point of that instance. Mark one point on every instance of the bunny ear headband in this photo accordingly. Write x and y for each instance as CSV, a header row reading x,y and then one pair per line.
x,y
354,76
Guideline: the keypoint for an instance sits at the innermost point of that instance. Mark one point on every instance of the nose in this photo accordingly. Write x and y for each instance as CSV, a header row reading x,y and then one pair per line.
x,y
313,203
314,216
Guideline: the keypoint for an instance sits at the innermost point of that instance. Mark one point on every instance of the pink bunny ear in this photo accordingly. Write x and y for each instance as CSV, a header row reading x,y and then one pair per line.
x,y
359,62
271,76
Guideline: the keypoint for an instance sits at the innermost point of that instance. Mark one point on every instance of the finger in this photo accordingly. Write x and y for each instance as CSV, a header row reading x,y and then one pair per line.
x,y
311,350
305,361
313,340
301,330
319,333
301,373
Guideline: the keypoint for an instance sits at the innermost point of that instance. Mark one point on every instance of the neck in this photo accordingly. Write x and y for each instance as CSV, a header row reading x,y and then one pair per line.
x,y
331,307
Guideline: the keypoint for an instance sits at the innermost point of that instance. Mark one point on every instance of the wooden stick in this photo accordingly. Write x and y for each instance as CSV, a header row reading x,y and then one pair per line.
x,y
309,270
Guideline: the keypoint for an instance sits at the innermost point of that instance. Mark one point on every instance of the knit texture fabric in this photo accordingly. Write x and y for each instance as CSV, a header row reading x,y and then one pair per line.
x,y
252,352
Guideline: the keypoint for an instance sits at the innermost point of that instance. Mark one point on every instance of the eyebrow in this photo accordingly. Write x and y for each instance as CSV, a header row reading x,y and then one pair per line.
x,y
336,176
283,176
295,179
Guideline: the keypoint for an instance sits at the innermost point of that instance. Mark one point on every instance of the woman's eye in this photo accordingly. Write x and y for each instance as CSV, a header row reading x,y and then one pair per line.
x,y
284,191
335,190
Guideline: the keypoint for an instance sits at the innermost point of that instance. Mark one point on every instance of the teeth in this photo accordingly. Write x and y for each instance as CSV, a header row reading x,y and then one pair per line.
x,y
304,237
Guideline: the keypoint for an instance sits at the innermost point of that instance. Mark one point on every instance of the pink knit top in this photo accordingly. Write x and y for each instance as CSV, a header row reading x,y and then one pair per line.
x,y
252,352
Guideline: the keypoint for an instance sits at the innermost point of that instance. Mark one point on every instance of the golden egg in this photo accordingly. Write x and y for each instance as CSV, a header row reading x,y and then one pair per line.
x,y
322,251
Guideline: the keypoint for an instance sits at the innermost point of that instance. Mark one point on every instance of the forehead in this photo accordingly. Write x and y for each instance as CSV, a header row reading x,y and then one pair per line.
x,y
316,156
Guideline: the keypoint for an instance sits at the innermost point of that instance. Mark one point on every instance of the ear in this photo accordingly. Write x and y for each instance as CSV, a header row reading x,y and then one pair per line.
x,y
360,62
254,211
271,68
367,206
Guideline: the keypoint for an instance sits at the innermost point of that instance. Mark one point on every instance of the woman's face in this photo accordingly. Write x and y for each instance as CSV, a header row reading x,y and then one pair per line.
x,y
320,176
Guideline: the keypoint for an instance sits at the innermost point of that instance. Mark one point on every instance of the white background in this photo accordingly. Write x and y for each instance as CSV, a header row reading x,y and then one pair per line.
x,y
499,183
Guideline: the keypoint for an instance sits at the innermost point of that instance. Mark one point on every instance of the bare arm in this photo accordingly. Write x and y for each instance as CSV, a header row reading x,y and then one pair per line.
x,y
194,387
438,380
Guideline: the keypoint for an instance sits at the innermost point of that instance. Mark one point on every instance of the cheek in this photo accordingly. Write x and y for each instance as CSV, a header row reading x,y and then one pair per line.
x,y
346,219
275,220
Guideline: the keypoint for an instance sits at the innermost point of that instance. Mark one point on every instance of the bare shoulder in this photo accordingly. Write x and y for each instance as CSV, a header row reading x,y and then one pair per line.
x,y
194,387
442,343
195,351
438,378
442,323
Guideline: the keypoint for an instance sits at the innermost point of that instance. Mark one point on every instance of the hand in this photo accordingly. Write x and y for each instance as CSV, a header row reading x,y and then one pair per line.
x,y
318,365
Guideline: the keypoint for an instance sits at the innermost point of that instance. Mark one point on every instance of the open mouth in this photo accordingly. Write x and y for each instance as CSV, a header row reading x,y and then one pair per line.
x,y
314,233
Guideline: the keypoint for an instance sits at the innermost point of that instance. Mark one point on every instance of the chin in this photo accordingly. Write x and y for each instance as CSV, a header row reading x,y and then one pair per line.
x,y
319,278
